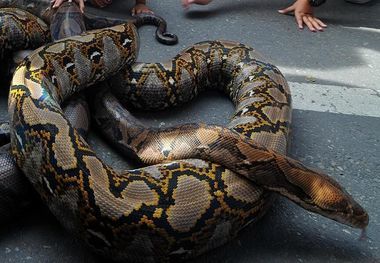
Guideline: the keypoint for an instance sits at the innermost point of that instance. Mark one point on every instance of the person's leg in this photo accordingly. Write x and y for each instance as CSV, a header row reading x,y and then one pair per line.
x,y
187,3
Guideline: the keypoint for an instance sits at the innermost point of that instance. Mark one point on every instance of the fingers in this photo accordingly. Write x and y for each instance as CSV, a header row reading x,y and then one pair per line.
x,y
145,11
287,10
81,5
314,24
57,3
299,20
186,3
308,23
320,22
141,8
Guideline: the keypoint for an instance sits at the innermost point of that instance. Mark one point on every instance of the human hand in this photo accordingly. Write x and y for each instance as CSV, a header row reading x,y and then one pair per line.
x,y
141,7
303,13
57,3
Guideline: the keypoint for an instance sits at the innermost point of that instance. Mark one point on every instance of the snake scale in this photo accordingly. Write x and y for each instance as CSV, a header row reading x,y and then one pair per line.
x,y
175,209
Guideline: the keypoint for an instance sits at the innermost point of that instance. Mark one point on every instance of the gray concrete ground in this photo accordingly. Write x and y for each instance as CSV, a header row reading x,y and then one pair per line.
x,y
334,77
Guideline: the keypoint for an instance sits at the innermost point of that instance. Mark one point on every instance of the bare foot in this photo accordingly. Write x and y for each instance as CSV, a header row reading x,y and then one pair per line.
x,y
141,8
187,3
57,3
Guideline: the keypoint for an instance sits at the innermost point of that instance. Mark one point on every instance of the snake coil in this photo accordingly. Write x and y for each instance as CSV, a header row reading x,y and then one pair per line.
x,y
175,209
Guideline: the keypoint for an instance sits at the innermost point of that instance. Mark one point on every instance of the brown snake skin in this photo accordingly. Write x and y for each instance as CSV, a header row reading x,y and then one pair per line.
x,y
247,204
11,36
262,99
16,194
118,225
176,209
66,21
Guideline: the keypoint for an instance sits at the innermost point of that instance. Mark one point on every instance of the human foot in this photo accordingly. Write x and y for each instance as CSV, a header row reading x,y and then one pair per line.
x,y
141,8
187,3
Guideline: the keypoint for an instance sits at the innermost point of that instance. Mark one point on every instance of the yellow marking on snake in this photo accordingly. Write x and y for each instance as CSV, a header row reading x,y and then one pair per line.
x,y
132,198
62,147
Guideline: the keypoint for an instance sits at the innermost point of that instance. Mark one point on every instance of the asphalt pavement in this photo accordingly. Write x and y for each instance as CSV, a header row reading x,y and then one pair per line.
x,y
335,82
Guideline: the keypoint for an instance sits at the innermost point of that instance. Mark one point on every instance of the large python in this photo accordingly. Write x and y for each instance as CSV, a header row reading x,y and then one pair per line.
x,y
145,214
262,99
16,195
65,21
241,208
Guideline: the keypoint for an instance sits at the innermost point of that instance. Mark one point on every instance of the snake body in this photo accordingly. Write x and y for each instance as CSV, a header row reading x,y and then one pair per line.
x,y
262,100
154,213
38,8
15,191
13,24
4,133
21,29
175,209
42,9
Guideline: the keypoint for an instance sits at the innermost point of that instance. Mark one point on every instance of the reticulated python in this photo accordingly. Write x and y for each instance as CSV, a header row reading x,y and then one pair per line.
x,y
15,191
262,100
65,21
146,214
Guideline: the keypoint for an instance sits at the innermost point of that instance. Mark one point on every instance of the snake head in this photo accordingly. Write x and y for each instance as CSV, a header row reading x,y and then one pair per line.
x,y
320,193
334,203
348,211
